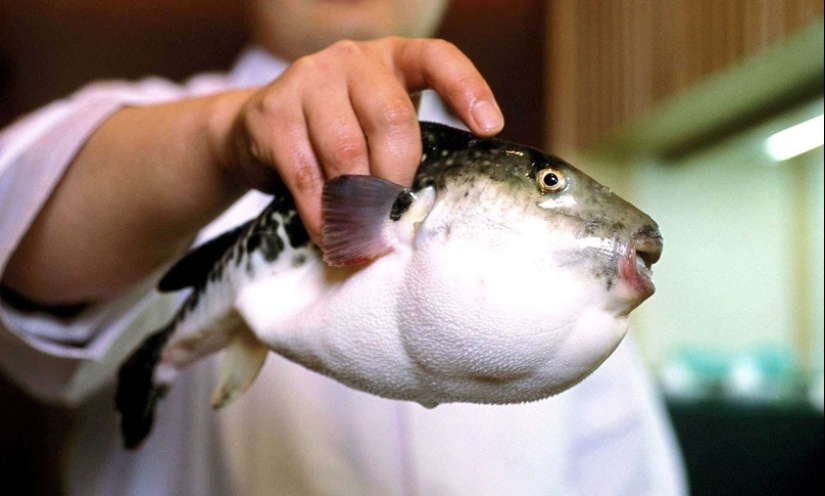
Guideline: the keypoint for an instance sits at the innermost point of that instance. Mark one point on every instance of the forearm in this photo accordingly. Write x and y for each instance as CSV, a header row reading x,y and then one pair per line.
x,y
149,178
135,196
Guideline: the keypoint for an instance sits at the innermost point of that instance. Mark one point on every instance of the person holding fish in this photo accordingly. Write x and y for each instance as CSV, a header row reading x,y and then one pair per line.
x,y
101,192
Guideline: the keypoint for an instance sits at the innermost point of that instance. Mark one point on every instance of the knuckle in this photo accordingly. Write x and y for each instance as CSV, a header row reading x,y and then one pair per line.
x,y
440,48
302,64
259,153
392,41
303,67
306,179
347,151
344,48
397,114
270,103
469,86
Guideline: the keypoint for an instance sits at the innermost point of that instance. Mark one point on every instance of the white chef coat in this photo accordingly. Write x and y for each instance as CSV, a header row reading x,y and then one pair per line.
x,y
296,432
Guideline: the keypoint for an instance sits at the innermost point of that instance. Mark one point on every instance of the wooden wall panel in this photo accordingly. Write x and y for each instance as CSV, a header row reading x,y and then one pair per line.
x,y
609,61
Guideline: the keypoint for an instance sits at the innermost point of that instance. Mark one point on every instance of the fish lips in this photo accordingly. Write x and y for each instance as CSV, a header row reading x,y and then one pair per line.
x,y
635,265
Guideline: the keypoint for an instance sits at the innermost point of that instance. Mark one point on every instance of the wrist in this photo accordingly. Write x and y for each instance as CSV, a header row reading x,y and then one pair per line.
x,y
222,140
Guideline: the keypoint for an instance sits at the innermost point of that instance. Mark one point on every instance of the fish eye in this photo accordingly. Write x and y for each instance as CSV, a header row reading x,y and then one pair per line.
x,y
551,180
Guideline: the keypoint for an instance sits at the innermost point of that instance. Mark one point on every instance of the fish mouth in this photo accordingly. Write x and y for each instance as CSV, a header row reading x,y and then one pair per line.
x,y
636,264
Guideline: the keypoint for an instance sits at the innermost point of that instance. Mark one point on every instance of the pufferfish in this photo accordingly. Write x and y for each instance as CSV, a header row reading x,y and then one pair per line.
x,y
503,275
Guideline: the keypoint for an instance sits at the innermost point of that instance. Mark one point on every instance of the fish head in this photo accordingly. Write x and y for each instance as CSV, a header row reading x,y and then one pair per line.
x,y
608,240
525,270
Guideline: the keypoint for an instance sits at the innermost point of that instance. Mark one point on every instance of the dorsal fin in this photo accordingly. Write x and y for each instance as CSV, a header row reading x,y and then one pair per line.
x,y
194,267
437,137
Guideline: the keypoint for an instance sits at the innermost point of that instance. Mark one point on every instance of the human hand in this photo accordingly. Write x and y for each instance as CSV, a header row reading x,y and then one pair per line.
x,y
348,110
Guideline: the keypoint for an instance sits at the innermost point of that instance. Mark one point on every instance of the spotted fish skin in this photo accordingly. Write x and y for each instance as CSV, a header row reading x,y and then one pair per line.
x,y
277,231
503,275
214,271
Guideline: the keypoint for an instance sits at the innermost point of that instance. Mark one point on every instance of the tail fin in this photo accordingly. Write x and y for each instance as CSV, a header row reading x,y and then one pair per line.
x,y
137,394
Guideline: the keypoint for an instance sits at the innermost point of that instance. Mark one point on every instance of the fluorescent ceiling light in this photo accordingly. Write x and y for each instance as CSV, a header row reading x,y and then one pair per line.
x,y
795,140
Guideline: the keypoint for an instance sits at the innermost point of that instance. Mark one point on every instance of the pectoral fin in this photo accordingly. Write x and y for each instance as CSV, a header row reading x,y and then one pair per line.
x,y
241,364
365,217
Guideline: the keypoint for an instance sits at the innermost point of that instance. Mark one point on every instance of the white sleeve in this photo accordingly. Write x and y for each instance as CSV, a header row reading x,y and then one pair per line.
x,y
64,360
621,440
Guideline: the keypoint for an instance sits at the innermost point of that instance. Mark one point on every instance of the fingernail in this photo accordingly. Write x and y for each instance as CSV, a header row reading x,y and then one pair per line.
x,y
487,116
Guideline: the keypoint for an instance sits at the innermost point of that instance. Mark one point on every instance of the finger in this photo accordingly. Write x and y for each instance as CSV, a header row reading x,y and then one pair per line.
x,y
388,117
441,66
302,175
280,141
335,133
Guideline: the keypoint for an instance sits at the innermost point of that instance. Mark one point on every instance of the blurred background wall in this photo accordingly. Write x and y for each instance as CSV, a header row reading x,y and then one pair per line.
x,y
49,48
615,69
667,101
610,62
671,103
